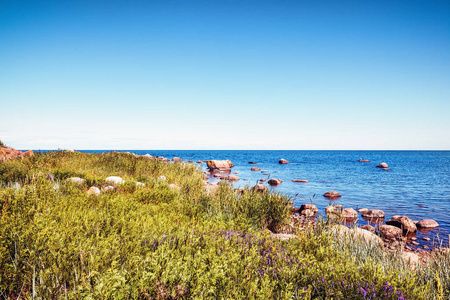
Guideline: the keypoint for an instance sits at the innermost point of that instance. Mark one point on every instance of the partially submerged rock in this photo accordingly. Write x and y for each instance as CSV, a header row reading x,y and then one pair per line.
x,y
403,222
427,223
364,160
231,178
283,161
219,165
299,180
255,169
252,162
373,214
275,182
332,194
383,165
349,212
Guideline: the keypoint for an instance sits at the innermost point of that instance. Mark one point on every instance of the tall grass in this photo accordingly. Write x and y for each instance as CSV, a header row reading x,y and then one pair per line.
x,y
161,242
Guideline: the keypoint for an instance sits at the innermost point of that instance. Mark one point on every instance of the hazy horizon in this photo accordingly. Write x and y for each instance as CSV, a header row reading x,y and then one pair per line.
x,y
222,75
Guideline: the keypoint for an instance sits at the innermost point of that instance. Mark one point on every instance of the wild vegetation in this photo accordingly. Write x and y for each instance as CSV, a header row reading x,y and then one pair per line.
x,y
162,241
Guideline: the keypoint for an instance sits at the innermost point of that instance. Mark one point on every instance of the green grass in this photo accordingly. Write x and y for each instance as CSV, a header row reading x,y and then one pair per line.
x,y
155,242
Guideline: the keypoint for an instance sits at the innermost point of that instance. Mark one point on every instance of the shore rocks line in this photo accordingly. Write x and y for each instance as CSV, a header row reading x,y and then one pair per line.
x,y
7,153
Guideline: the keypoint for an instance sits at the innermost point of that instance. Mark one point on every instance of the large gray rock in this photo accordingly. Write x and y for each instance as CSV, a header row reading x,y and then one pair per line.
x,y
114,179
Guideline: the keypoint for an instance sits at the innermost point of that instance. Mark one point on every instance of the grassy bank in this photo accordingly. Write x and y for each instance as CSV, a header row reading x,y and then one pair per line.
x,y
171,239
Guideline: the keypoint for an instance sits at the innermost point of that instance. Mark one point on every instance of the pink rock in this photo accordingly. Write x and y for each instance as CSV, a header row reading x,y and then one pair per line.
x,y
427,223
332,194
275,182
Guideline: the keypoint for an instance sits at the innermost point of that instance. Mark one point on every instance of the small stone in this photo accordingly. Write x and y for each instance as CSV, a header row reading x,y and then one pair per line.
x,y
162,178
299,180
76,180
426,239
107,188
93,190
311,207
255,169
283,161
383,165
259,188
114,179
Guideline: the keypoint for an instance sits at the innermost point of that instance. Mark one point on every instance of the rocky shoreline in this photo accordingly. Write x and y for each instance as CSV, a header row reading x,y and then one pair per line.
x,y
398,234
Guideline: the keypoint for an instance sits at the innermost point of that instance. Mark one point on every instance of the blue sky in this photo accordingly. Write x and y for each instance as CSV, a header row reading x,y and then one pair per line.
x,y
225,74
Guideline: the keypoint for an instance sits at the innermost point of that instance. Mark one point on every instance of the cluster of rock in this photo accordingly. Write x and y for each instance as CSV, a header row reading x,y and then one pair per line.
x,y
7,153
112,181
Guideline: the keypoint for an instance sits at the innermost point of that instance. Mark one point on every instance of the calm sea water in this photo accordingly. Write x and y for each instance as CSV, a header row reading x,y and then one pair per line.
x,y
416,186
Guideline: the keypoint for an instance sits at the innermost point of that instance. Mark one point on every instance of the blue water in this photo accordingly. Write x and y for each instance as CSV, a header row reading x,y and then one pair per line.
x,y
416,186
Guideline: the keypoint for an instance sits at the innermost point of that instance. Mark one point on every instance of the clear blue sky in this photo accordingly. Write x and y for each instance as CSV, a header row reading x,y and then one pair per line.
x,y
225,74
